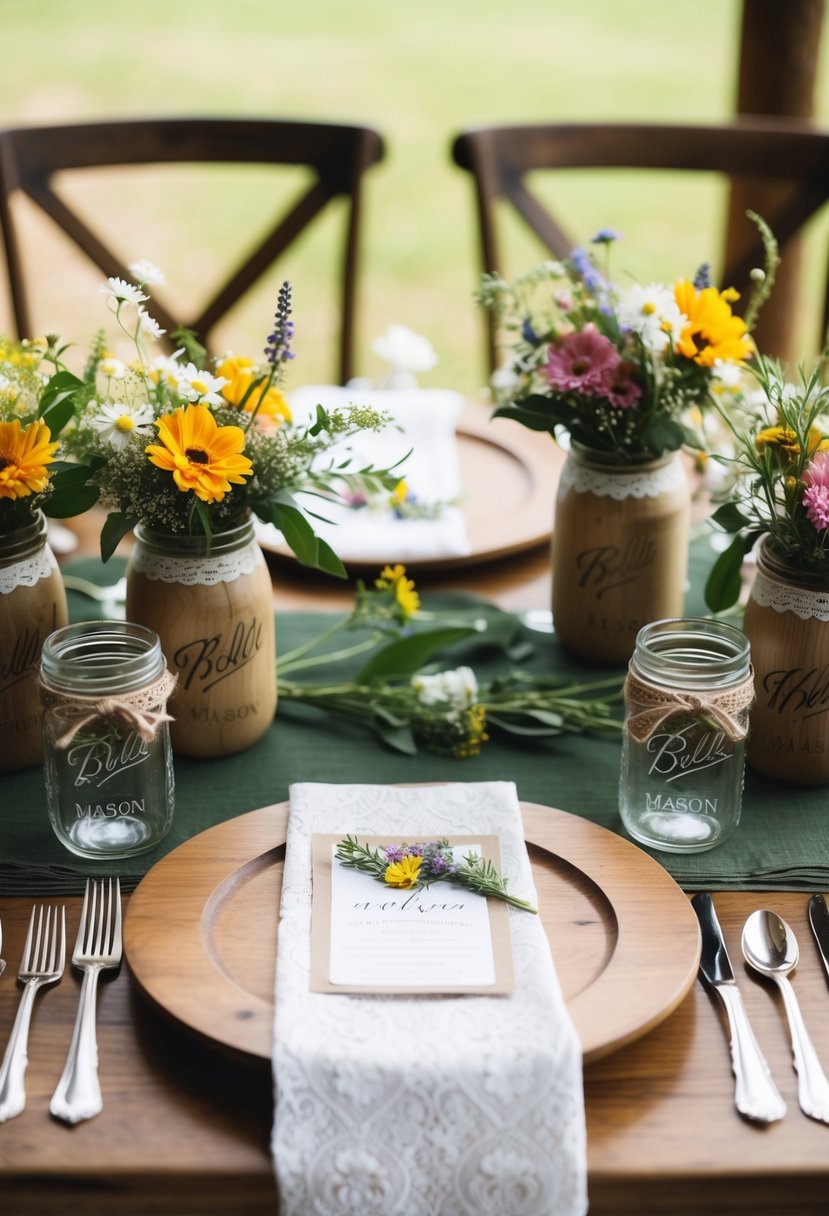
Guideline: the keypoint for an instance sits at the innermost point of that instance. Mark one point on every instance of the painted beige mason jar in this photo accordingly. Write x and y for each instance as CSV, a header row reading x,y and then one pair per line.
x,y
787,623
620,551
213,611
32,605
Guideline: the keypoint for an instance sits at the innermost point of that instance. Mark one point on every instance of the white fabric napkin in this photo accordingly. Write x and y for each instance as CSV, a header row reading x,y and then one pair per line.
x,y
423,1105
425,422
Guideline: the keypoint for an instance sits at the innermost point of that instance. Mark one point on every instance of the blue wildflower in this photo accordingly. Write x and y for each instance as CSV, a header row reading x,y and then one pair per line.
x,y
528,333
606,236
580,262
278,349
702,278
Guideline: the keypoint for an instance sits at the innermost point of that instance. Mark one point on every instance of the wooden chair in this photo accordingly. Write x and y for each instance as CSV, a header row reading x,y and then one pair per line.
x,y
788,160
337,156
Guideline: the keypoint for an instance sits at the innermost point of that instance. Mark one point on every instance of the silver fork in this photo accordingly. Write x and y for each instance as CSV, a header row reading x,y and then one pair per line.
x,y
44,956
97,946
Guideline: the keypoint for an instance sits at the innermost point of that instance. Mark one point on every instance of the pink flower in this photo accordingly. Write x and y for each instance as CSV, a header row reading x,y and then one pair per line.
x,y
583,362
816,494
621,390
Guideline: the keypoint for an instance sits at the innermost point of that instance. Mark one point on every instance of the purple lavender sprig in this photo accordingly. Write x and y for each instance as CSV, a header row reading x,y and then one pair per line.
x,y
278,349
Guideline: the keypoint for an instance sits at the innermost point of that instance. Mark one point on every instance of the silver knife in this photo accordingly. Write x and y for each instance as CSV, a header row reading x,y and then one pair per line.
x,y
819,920
755,1094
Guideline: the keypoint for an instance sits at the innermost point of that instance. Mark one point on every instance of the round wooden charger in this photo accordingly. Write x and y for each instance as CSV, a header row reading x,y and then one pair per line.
x,y
200,933
509,477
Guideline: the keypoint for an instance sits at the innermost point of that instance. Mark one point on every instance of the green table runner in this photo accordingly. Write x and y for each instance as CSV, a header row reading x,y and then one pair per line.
x,y
782,842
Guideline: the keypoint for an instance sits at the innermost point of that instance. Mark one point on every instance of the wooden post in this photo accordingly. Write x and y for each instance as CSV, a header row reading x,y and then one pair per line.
x,y
779,46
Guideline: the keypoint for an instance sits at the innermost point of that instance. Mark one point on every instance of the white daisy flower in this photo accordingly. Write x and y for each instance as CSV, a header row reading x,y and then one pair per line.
x,y
122,292
112,368
166,369
147,273
652,313
198,385
456,689
116,422
148,325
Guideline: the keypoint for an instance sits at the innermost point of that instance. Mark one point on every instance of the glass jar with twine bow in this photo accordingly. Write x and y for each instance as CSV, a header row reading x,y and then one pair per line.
x,y
107,755
688,694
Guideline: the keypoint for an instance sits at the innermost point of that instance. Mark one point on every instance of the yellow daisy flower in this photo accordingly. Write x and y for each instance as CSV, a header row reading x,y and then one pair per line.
x,y
394,578
239,373
405,873
202,456
783,441
24,455
712,331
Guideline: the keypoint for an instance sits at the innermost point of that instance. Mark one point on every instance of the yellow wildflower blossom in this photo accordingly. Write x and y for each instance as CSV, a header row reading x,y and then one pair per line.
x,y
712,331
240,373
404,873
783,441
394,578
24,455
202,456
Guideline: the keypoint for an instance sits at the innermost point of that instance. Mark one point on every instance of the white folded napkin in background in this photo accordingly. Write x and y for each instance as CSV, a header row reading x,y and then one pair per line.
x,y
425,421
423,1105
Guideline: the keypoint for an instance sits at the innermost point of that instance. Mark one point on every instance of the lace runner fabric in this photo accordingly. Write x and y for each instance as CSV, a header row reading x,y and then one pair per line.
x,y
396,1105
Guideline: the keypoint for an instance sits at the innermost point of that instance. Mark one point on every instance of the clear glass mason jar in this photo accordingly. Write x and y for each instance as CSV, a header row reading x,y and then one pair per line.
x,y
107,754
212,606
688,695
32,605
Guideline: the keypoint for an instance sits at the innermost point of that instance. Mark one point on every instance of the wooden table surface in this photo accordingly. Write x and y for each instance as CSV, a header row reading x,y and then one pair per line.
x,y
185,1130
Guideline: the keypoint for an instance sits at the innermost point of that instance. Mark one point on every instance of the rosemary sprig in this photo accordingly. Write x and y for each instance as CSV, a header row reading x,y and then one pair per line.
x,y
416,866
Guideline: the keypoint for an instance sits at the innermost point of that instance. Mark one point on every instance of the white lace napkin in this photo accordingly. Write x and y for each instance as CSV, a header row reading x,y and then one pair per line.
x,y
425,422
423,1105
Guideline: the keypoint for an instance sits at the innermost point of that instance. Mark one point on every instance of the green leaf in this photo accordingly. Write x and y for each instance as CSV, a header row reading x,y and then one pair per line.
x,y
72,493
729,517
203,513
310,549
405,656
722,588
116,526
516,728
663,435
538,418
400,738
56,405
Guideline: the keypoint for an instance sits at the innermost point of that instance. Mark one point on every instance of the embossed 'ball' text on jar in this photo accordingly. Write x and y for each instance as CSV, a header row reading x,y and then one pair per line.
x,y
212,606
619,551
688,696
32,605
787,623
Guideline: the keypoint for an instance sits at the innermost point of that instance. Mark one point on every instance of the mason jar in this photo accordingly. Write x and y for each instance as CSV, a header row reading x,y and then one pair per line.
x,y
107,755
211,603
688,695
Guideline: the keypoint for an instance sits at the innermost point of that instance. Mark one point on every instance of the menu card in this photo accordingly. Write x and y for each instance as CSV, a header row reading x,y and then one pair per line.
x,y
369,937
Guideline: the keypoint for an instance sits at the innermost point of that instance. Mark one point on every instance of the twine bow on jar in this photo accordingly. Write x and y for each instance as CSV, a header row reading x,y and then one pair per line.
x,y
143,711
651,706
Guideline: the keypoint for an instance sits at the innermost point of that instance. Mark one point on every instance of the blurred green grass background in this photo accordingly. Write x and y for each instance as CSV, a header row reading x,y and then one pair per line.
x,y
419,73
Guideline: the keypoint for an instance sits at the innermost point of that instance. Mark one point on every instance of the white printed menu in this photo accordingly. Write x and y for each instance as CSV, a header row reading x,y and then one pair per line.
x,y
369,937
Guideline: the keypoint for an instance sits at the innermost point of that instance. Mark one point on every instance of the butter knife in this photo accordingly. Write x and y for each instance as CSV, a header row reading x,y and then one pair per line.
x,y
755,1094
819,921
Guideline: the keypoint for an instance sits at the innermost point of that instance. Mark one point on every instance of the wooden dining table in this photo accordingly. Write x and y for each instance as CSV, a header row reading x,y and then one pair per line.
x,y
185,1127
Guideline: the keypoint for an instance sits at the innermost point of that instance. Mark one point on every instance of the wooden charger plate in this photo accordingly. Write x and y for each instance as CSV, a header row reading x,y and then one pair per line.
x,y
509,477
200,929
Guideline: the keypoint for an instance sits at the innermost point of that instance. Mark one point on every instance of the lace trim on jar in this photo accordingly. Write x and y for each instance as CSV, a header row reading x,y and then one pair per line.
x,y
612,483
198,571
805,602
28,572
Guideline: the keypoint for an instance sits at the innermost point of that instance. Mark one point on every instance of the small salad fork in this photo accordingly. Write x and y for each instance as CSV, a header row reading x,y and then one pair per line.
x,y
44,956
98,946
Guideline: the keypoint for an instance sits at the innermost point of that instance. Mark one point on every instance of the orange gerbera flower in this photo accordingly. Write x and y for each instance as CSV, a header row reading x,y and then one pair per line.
x,y
239,373
712,331
24,455
202,456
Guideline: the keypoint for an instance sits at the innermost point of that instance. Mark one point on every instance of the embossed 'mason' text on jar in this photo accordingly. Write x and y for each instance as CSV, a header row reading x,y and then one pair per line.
x,y
211,603
107,754
688,695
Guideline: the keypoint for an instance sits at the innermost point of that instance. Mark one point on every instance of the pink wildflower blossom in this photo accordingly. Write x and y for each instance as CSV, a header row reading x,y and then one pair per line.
x,y
583,362
622,391
816,494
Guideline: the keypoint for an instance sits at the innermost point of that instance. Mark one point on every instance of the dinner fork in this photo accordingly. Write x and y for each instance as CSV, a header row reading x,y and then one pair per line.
x,y
97,946
44,956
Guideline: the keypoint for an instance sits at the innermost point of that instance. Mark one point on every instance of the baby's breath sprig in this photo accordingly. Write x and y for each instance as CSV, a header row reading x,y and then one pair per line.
x,y
415,866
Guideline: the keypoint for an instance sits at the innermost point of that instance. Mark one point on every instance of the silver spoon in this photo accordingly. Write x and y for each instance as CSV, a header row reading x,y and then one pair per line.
x,y
770,947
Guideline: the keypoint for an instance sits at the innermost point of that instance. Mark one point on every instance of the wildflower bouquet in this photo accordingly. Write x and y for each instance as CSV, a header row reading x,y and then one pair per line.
x,y
621,369
446,712
162,441
29,418
780,481
413,866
